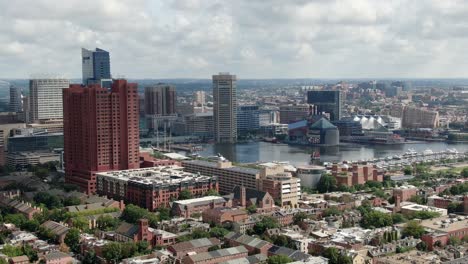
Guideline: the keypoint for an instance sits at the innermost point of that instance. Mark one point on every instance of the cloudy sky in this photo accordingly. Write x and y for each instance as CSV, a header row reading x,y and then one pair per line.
x,y
251,38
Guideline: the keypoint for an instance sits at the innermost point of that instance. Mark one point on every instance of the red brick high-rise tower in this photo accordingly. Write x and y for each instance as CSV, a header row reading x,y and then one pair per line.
x,y
101,131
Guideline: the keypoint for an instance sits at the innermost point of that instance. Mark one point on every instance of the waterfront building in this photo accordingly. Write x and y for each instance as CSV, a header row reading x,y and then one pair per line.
x,y
199,124
415,117
310,175
292,113
96,67
16,100
45,98
154,187
229,176
274,129
330,102
313,132
248,119
101,131
160,105
225,108
350,175
348,127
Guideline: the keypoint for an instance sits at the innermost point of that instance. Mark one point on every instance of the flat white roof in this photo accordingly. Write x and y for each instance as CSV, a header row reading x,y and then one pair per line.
x,y
201,199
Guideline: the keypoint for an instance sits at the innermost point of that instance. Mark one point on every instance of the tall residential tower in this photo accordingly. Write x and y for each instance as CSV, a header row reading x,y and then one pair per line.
x,y
101,131
225,108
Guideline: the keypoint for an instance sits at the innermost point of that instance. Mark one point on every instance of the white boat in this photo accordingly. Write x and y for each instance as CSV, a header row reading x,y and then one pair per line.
x,y
428,152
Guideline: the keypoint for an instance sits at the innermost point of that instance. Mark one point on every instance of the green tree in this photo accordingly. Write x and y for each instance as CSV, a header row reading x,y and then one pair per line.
x,y
422,246
16,219
30,225
30,252
464,172
327,183
373,184
408,170
72,239
143,247
69,201
218,232
279,259
332,210
252,209
107,222
185,194
47,199
454,207
413,229
90,258
199,233
376,219
266,222
164,213
417,199
112,252
12,251
133,213
454,241
300,217
46,234
80,222
332,254
42,173
398,218
212,192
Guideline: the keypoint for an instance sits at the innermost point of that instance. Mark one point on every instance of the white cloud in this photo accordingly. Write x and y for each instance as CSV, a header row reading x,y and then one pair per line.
x,y
252,38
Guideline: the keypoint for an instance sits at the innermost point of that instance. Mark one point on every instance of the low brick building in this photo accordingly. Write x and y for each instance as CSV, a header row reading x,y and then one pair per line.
x,y
252,244
405,192
222,215
57,257
59,230
245,197
354,174
185,208
217,256
441,229
201,245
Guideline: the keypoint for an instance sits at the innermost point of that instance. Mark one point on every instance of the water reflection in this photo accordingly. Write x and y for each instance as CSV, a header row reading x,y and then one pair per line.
x,y
299,155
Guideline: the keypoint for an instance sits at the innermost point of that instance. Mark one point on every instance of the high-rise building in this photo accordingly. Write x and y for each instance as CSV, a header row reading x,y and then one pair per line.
x,y
328,102
225,108
45,98
200,98
160,105
16,103
96,67
101,131
247,118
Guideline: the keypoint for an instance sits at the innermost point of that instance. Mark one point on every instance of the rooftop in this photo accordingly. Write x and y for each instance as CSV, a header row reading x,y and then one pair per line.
x,y
205,256
201,199
166,175
446,224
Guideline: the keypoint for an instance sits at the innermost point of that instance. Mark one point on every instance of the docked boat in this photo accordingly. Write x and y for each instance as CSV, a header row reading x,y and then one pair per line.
x,y
315,155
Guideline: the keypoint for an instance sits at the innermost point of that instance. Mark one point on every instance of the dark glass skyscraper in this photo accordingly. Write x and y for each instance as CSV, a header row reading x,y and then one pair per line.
x,y
96,67
327,101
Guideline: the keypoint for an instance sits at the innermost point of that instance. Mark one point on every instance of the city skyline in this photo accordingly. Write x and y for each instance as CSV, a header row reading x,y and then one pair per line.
x,y
196,38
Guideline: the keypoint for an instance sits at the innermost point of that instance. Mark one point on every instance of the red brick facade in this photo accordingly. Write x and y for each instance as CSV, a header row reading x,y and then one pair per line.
x,y
350,175
101,131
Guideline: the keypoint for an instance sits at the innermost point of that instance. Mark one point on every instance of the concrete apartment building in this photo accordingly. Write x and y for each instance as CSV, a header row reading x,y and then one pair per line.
x,y
153,187
415,117
225,108
292,113
282,186
200,98
45,98
229,176
101,131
